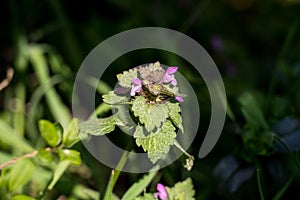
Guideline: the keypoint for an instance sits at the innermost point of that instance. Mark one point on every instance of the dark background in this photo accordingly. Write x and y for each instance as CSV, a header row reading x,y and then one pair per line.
x,y
255,45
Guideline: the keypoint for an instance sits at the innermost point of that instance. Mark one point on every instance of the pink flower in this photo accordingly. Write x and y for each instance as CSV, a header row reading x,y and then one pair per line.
x,y
162,192
179,99
169,76
136,86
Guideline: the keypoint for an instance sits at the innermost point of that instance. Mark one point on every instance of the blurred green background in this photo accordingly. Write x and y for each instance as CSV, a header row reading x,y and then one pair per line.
x,y
255,45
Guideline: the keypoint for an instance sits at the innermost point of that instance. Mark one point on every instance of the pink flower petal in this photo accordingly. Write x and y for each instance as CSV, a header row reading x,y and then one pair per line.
x,y
162,192
136,86
171,70
178,98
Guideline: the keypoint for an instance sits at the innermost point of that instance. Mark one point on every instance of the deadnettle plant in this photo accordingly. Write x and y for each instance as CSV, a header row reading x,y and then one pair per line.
x,y
152,96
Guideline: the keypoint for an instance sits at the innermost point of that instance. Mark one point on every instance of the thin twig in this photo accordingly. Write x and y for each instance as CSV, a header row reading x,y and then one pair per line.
x,y
14,160
6,81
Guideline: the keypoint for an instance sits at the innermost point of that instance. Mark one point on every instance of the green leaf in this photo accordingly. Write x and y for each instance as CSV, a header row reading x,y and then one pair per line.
x,y
181,191
55,104
252,112
50,133
70,155
98,127
4,178
20,173
45,156
22,197
157,144
70,136
59,171
83,192
10,137
151,115
174,113
125,79
258,142
112,98
139,186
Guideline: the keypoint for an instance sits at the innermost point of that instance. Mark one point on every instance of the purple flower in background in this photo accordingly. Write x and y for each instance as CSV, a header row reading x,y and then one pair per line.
x,y
217,43
162,192
231,69
136,86
179,99
169,76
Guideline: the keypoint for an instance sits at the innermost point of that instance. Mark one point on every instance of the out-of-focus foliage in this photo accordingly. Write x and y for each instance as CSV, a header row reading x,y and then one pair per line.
x,y
255,45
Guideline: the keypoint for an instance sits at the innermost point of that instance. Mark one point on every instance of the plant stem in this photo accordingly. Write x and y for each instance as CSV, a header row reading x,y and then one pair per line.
x,y
114,176
288,150
13,161
280,193
280,63
258,175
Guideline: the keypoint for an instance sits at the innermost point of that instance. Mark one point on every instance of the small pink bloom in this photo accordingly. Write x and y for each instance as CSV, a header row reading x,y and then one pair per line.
x,y
136,86
169,76
178,98
172,70
162,192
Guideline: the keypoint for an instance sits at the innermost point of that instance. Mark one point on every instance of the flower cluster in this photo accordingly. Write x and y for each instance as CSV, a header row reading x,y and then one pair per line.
x,y
152,82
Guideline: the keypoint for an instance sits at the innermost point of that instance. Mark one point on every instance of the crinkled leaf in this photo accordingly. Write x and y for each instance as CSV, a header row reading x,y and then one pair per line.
x,y
181,191
174,113
151,115
189,163
125,79
112,98
20,173
51,133
70,136
157,144
152,72
70,155
98,127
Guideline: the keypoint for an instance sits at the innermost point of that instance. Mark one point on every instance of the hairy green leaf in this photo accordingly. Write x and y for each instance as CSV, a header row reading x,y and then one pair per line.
x,y
98,127
125,79
157,144
152,72
174,113
112,98
20,173
70,136
151,115
181,191
50,133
